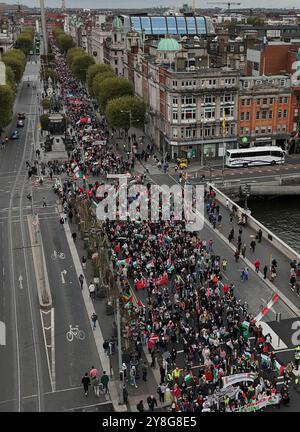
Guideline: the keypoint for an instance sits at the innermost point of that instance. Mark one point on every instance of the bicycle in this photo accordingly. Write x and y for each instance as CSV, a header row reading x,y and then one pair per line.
x,y
75,332
59,255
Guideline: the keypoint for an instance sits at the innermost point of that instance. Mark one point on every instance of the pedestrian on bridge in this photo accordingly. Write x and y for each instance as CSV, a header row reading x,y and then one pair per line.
x,y
244,250
257,265
237,255
81,280
265,270
94,320
252,245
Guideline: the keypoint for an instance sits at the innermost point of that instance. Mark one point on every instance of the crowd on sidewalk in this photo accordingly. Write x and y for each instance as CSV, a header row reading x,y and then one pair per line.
x,y
188,307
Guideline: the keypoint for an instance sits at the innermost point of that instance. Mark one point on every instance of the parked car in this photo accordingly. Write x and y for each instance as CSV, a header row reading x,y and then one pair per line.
x,y
14,135
20,123
21,116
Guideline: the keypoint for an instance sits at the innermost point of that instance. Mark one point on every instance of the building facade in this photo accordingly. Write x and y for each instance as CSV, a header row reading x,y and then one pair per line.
x,y
264,111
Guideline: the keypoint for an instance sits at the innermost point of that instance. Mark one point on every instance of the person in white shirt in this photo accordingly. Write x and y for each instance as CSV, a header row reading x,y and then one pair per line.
x,y
92,290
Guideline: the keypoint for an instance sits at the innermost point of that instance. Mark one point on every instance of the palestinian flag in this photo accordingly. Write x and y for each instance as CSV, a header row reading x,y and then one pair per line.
x,y
124,262
129,302
247,355
278,367
264,359
140,303
80,174
215,375
245,325
188,378
170,269
94,204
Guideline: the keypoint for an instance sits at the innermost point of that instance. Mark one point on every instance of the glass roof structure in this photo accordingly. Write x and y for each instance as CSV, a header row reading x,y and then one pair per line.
x,y
172,25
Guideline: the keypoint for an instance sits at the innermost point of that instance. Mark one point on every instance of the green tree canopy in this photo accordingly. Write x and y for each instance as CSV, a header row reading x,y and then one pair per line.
x,y
44,120
112,88
46,103
72,53
24,42
6,105
80,65
15,64
118,119
95,70
10,78
256,21
97,81
65,42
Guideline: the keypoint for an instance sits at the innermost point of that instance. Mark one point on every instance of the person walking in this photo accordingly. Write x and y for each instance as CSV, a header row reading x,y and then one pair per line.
x,y
237,255
86,382
257,265
93,372
144,371
259,235
106,347
74,236
44,202
125,394
224,265
104,381
161,390
140,406
244,250
81,280
83,262
124,371
265,270
132,374
92,291
297,357
96,386
94,318
252,245
162,373
152,403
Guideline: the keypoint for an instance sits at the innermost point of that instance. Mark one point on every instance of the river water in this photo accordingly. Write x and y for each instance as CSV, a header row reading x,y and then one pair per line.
x,y
281,216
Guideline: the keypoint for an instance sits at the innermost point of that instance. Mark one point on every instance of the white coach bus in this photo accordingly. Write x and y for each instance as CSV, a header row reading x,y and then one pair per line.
x,y
269,155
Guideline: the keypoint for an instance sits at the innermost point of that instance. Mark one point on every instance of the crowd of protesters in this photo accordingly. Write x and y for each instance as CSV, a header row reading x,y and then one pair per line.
x,y
192,324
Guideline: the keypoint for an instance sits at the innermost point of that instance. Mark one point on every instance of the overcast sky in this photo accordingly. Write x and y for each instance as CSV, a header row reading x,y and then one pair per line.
x,y
156,3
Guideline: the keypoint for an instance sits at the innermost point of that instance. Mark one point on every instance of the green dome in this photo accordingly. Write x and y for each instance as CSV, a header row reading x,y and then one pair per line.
x,y
117,23
168,44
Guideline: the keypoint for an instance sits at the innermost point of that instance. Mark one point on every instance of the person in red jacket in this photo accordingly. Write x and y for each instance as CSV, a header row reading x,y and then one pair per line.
x,y
257,265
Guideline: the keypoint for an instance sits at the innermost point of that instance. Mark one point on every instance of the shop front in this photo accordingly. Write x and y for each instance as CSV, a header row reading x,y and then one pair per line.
x,y
200,151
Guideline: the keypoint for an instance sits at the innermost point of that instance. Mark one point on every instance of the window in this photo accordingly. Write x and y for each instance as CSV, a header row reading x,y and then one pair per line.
x,y
243,102
248,102
175,116
282,82
174,83
228,111
270,114
209,113
212,82
188,114
209,99
280,100
246,84
265,101
283,128
257,130
269,129
279,113
258,101
286,100
229,81
263,130
175,132
228,97
264,115
257,115
247,115
175,101
255,66
116,62
242,116
188,100
284,113
271,100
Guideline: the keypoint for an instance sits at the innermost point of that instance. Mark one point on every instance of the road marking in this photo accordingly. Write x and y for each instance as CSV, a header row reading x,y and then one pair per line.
x,y
89,406
276,343
63,274
47,346
53,381
21,281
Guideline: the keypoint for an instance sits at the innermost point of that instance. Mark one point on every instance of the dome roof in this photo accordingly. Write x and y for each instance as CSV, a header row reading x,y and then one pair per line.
x,y
117,23
168,44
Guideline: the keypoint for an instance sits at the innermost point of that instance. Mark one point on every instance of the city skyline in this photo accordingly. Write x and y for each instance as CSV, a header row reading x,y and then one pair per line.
x,y
158,3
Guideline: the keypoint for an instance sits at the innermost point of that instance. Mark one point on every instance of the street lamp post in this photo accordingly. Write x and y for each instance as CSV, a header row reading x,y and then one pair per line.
x,y
130,121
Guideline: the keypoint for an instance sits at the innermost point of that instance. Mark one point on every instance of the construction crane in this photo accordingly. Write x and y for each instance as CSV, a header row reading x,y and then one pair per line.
x,y
227,3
